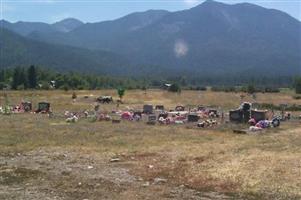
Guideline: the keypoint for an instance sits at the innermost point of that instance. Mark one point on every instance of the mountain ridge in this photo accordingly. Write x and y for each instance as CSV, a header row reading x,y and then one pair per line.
x,y
20,51
212,38
67,24
26,28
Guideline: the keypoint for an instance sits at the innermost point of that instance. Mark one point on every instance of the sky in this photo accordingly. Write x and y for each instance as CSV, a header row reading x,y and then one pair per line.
x,y
51,11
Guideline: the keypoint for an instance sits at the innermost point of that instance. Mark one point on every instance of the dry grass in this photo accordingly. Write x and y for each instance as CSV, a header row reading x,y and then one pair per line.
x,y
264,166
61,100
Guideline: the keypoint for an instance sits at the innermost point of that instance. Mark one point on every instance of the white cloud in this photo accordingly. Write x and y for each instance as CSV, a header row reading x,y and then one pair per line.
x,y
60,17
191,2
181,48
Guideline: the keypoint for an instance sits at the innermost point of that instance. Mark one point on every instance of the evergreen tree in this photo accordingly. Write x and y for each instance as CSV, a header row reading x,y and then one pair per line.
x,y
174,88
32,77
251,89
121,92
298,85
23,79
2,75
16,78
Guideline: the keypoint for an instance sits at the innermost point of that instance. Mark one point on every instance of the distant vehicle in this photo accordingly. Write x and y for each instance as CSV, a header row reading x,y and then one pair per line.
x,y
105,99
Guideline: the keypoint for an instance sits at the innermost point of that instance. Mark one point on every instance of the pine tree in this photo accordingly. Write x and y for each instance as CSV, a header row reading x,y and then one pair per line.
x,y
23,79
16,78
251,89
175,88
32,77
298,85
2,75
121,92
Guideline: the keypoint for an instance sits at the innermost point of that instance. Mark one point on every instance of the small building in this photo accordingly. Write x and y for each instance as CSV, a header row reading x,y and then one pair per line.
x,y
166,86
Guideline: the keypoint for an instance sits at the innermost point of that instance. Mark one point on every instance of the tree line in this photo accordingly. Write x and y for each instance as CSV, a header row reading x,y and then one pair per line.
x,y
32,77
22,78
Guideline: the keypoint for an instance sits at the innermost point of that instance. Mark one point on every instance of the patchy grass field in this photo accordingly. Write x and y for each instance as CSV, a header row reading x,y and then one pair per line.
x,y
42,158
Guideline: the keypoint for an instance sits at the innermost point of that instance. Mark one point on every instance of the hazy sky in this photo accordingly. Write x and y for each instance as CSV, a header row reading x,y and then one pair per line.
x,y
99,10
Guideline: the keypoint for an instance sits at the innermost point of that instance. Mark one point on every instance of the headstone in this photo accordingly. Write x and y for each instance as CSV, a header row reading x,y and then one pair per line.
x,y
43,107
148,109
193,118
152,119
159,107
214,111
27,106
259,115
180,108
236,116
116,118
164,115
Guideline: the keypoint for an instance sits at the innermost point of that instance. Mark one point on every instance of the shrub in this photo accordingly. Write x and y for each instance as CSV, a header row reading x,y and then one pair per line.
x,y
297,97
74,96
174,88
251,89
198,88
3,85
269,106
271,90
223,89
21,87
201,88
65,87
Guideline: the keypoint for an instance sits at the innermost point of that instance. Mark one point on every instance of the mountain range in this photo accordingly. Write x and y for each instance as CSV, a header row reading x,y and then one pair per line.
x,y
212,38
17,50
26,28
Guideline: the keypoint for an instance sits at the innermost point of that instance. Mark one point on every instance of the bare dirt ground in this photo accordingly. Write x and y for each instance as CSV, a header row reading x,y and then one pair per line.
x,y
42,158
60,174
